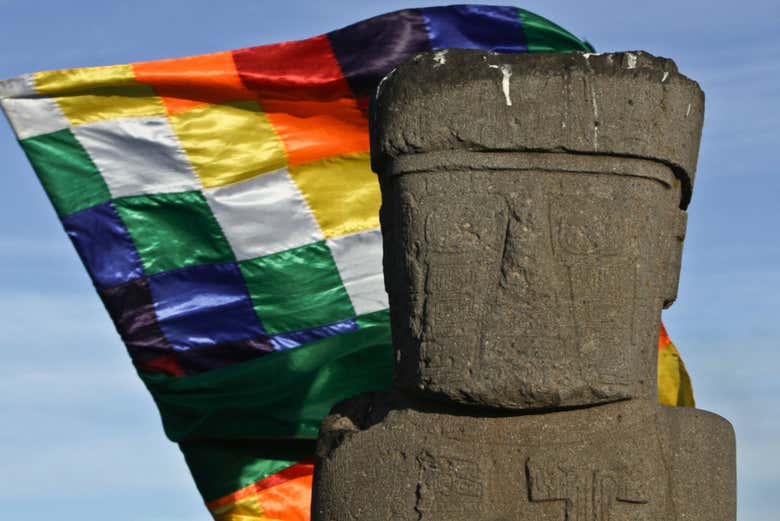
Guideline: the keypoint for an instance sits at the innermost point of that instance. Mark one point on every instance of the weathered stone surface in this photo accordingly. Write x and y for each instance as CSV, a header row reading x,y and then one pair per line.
x,y
522,275
628,104
384,458
533,219
529,280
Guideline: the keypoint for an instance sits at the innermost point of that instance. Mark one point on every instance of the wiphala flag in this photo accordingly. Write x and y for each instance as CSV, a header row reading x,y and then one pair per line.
x,y
224,207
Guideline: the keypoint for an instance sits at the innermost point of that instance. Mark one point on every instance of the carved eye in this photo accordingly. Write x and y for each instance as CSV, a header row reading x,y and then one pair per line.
x,y
459,229
593,227
590,238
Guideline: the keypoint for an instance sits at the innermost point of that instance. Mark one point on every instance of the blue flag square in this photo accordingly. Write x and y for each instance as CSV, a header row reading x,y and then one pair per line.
x,y
204,305
104,245
486,27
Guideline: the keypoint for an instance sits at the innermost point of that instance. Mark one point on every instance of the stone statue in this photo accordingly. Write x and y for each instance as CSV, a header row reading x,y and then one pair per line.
x,y
533,213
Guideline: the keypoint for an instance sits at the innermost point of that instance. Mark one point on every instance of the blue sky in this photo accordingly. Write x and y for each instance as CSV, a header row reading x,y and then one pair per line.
x,y
81,438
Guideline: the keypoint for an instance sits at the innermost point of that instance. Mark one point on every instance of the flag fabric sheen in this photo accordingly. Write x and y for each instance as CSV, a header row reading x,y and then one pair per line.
x,y
224,207
674,384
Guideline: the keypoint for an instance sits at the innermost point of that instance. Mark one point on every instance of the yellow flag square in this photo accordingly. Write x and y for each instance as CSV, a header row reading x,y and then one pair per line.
x,y
229,142
95,94
342,192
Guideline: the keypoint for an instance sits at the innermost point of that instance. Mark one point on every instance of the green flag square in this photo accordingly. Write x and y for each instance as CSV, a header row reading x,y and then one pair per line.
x,y
173,230
66,171
297,288
541,35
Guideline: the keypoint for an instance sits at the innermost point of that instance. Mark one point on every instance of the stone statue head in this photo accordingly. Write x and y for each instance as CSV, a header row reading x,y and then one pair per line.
x,y
530,272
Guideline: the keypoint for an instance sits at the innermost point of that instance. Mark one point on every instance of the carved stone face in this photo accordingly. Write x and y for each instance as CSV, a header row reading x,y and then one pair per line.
x,y
531,288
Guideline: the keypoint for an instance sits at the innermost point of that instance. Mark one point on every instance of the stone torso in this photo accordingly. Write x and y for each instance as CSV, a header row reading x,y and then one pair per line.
x,y
622,462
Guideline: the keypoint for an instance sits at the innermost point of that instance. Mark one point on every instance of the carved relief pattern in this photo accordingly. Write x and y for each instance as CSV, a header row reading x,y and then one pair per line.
x,y
584,230
586,494
456,239
480,278
449,487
